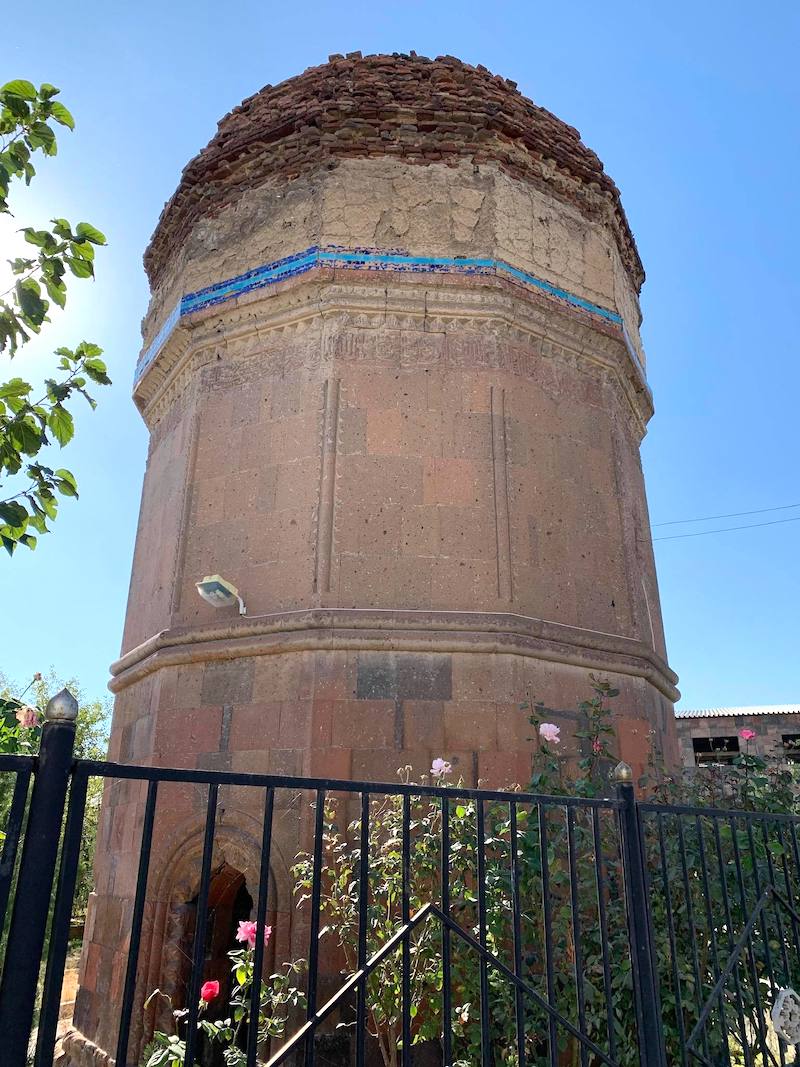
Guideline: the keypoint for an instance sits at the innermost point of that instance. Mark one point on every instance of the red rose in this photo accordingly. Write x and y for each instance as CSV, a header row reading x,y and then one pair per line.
x,y
208,991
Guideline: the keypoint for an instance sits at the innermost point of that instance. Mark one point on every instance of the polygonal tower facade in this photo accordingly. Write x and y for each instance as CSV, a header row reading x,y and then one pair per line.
x,y
395,389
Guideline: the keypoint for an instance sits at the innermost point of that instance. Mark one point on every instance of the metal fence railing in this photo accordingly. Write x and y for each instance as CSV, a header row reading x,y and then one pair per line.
x,y
491,928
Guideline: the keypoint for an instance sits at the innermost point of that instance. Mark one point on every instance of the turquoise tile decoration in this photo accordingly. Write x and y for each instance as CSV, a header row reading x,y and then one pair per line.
x,y
394,261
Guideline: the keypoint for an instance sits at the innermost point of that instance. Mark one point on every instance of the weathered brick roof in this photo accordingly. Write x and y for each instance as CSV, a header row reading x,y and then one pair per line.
x,y
406,106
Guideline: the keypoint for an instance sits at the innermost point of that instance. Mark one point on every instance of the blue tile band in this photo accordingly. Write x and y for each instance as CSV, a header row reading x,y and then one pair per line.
x,y
362,259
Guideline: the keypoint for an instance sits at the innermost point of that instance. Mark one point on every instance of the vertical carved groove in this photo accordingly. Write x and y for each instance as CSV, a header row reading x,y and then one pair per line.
x,y
502,518
327,484
186,510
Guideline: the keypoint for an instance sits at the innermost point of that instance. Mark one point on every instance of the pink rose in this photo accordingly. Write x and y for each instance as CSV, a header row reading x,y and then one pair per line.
x,y
747,735
597,746
27,717
548,731
441,767
247,933
208,991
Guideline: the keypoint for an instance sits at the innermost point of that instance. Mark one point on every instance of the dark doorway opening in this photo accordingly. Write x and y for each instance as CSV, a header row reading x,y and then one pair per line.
x,y
229,902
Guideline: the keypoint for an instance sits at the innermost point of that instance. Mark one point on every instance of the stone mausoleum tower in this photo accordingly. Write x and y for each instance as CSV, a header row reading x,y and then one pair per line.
x,y
395,389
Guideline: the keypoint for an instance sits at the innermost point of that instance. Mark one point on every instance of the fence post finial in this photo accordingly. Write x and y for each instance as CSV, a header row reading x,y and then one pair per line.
x,y
63,707
622,773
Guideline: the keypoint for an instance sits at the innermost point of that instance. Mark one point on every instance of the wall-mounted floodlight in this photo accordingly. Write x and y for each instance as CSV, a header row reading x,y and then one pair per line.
x,y
219,593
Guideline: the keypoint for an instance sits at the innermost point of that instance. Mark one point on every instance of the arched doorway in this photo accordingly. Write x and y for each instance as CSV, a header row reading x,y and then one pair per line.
x,y
229,902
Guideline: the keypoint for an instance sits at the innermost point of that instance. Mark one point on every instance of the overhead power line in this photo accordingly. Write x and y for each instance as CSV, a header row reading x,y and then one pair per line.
x,y
726,529
729,515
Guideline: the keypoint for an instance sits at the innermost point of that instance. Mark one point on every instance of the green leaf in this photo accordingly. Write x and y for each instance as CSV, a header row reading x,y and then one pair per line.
x,y
31,304
46,90
86,348
66,482
15,387
21,88
60,422
41,136
57,293
13,514
84,249
62,228
96,370
88,232
80,267
61,114
41,238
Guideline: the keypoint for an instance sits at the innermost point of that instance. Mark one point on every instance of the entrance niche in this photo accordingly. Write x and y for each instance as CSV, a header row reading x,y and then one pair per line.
x,y
229,903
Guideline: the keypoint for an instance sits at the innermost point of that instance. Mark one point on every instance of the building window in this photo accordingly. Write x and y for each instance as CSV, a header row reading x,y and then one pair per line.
x,y
791,746
715,751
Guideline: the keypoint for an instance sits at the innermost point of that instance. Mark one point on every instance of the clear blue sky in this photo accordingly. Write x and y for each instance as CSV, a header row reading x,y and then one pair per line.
x,y
694,110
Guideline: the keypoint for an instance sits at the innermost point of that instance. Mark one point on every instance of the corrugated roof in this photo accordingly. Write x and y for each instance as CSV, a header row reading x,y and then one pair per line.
x,y
735,713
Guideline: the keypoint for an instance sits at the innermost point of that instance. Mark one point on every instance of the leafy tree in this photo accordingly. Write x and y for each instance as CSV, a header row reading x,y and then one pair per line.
x,y
29,423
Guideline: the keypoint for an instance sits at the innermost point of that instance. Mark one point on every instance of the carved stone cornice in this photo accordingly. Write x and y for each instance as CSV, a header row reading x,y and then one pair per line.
x,y
355,629
351,300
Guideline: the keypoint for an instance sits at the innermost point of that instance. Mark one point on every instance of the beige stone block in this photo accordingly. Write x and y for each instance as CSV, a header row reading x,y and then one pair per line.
x,y
352,431
461,482
297,484
378,581
279,678
363,724
463,585
469,436
392,479
254,726
295,438
371,528
420,530
471,724
467,533
385,434
423,723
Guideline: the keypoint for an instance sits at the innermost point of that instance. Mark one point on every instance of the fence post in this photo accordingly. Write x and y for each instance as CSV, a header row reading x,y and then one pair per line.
x,y
645,975
31,911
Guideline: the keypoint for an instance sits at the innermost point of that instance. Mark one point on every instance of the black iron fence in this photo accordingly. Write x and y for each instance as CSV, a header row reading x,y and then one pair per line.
x,y
471,927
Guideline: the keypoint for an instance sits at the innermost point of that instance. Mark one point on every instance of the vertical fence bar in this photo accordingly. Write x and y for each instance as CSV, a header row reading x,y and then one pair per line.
x,y
31,908
261,921
788,887
576,929
363,905
447,1010
405,918
600,883
313,936
486,1041
778,920
59,930
726,904
765,1052
198,949
645,977
123,1035
16,815
764,929
673,946
712,936
547,907
698,985
516,911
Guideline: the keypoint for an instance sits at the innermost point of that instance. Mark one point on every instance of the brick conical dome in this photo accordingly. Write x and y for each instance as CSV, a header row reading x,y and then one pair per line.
x,y
407,107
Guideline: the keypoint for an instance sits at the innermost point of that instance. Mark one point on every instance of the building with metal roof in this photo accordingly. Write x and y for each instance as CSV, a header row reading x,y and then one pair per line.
x,y
714,735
